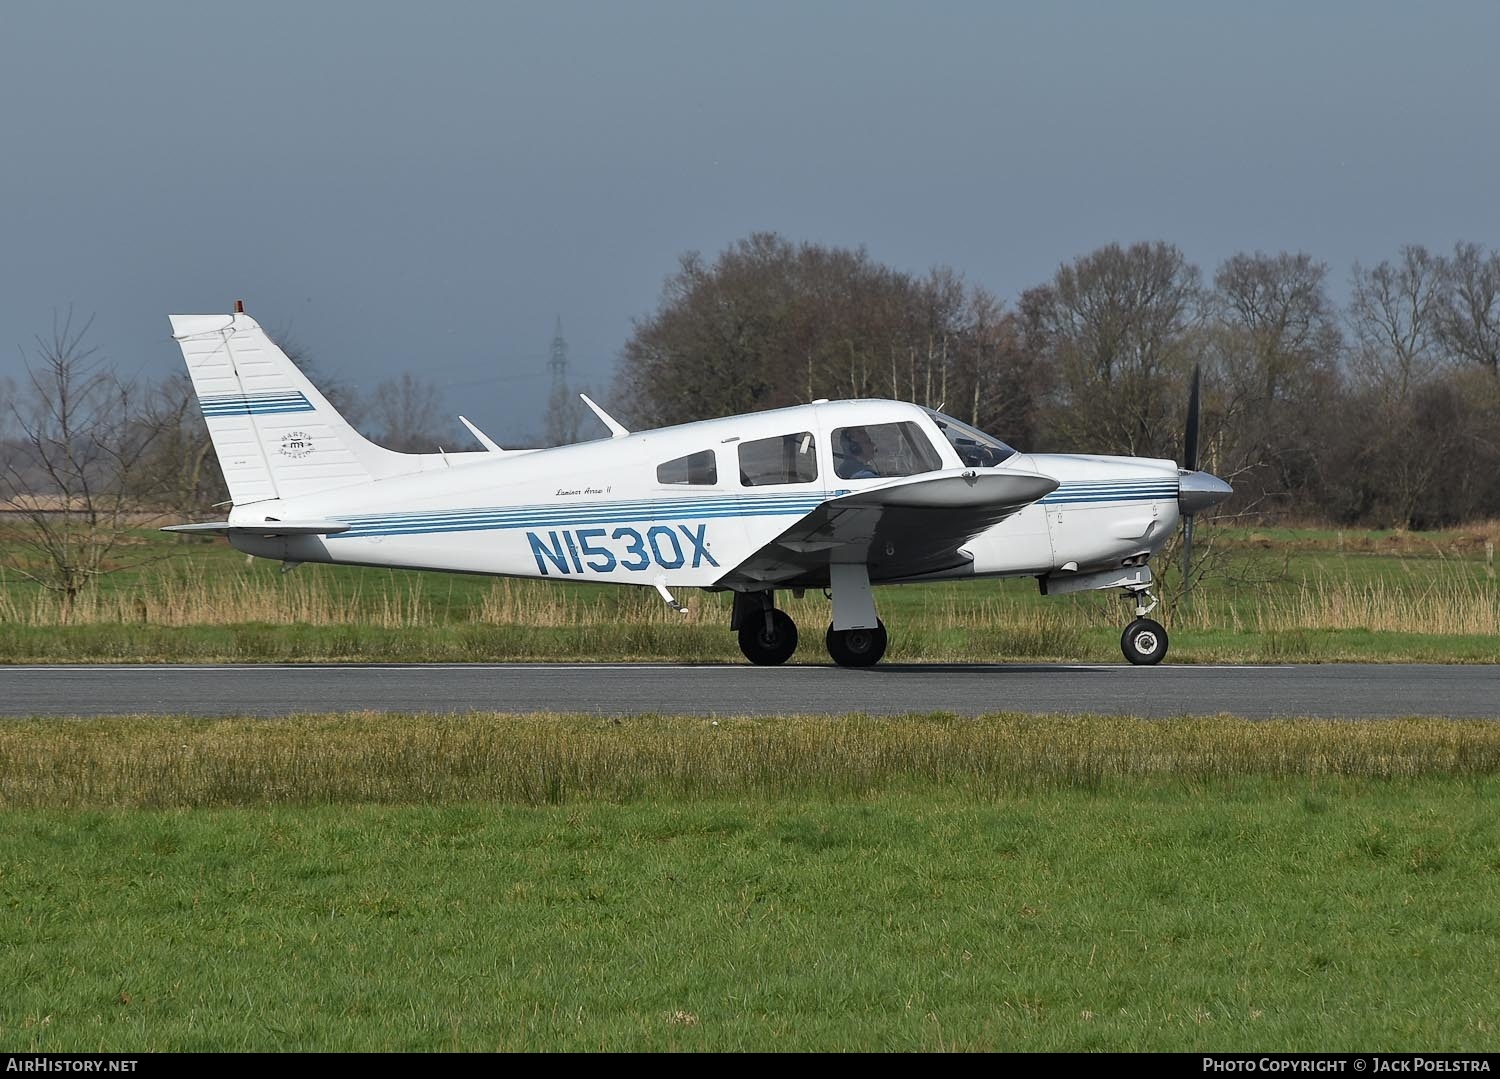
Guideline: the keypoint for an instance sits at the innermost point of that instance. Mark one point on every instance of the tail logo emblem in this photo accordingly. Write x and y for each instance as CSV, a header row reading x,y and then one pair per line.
x,y
296,444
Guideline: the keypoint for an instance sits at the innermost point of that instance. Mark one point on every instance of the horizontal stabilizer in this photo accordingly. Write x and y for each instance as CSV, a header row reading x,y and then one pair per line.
x,y
262,528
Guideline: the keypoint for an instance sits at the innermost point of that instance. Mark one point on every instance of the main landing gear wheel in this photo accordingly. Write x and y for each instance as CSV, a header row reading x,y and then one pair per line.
x,y
1144,642
857,647
768,637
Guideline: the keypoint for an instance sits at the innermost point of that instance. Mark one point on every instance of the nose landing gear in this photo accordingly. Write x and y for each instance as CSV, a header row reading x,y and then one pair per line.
x,y
1144,641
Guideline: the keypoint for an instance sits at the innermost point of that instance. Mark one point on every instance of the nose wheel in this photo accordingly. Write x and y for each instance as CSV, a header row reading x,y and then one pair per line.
x,y
1144,642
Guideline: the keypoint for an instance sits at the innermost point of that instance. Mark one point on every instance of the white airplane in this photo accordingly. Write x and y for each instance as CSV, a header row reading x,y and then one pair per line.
x,y
836,495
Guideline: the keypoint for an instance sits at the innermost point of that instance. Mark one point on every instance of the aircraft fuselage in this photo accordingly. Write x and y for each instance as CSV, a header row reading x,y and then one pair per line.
x,y
584,513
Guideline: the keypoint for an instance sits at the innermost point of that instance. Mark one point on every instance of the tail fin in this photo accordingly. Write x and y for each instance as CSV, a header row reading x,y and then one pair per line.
x,y
275,434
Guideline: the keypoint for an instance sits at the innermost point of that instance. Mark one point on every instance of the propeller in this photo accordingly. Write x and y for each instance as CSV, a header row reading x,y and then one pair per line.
x,y
1196,491
1190,464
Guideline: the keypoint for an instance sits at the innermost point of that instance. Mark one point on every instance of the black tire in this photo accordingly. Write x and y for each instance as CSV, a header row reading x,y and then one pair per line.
x,y
857,647
768,648
1144,642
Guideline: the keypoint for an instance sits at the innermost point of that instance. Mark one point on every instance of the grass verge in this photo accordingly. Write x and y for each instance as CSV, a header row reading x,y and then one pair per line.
x,y
556,759
1277,595
569,883
635,642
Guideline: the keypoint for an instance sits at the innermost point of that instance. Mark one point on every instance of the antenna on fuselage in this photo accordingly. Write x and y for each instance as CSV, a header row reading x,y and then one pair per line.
x,y
484,439
615,429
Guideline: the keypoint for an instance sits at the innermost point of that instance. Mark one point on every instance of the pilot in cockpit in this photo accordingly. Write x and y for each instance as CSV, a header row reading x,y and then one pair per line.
x,y
856,462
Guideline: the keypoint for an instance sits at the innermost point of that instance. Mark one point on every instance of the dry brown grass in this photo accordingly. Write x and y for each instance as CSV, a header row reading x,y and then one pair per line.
x,y
1430,592
17,511
533,603
1456,603
1468,540
198,599
1452,605
549,758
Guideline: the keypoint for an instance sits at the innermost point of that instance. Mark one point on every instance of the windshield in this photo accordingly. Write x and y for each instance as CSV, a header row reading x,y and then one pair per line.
x,y
973,446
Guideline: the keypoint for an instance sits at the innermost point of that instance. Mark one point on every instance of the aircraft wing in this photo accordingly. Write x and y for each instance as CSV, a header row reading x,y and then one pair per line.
x,y
904,528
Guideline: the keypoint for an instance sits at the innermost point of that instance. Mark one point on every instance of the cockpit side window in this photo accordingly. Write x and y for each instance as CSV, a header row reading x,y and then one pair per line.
x,y
695,468
974,447
782,459
883,450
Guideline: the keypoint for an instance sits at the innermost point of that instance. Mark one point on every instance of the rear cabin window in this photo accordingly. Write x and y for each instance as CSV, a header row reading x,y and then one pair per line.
x,y
783,459
695,468
883,450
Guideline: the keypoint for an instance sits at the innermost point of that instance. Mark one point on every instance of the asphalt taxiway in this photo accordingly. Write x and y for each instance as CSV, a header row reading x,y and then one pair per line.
x,y
1327,690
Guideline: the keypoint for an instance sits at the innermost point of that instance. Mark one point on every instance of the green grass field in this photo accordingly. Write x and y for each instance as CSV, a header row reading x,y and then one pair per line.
x,y
1299,595
924,883
816,883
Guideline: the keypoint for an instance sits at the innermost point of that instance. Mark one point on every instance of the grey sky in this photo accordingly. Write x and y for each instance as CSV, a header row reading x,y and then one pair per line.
x,y
426,186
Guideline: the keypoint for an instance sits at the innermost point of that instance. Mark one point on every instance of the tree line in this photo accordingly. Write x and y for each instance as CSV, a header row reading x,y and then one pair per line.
x,y
1381,410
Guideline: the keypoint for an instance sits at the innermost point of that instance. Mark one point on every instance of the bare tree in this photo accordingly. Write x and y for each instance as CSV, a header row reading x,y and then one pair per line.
x,y
1400,448
7,396
67,492
993,380
771,323
1468,314
404,414
717,343
1393,313
180,472
1119,327
1275,346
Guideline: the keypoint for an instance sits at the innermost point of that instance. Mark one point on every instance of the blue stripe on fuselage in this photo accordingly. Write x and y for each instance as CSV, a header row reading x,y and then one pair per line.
x,y
1105,492
598,513
483,519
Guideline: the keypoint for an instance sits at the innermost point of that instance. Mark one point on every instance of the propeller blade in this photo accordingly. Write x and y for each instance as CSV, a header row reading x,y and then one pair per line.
x,y
1190,437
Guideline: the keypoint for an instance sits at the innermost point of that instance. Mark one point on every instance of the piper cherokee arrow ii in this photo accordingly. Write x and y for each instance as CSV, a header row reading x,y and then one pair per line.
x,y
836,495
